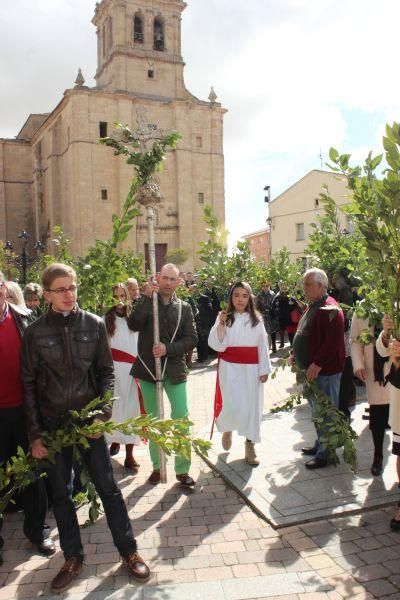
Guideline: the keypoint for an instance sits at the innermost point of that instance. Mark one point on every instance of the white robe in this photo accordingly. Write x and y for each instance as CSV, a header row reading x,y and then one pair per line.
x,y
126,406
242,392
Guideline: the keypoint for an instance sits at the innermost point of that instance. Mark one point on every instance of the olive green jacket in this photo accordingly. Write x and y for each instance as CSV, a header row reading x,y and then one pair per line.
x,y
141,320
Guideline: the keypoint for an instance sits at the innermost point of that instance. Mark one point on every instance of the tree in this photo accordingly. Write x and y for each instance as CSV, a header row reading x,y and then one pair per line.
x,y
283,270
331,248
375,209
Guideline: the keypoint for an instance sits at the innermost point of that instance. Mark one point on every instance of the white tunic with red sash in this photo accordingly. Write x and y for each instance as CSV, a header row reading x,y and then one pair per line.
x,y
243,357
127,406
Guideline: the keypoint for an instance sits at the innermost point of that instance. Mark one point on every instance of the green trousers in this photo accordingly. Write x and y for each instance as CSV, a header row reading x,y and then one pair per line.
x,y
178,400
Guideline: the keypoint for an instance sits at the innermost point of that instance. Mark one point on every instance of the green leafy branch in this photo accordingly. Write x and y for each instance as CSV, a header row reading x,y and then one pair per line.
x,y
335,428
375,209
170,435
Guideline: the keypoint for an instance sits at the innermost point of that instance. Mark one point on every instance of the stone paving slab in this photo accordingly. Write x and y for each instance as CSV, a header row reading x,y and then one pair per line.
x,y
281,489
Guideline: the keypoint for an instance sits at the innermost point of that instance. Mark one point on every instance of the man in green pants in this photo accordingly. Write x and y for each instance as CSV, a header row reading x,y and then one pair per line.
x,y
177,337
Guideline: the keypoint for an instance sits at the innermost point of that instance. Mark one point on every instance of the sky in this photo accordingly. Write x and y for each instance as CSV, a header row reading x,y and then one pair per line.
x,y
297,77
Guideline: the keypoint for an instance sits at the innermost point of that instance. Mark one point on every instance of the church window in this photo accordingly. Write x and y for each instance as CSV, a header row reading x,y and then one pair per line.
x,y
199,141
103,129
104,194
200,197
159,41
150,74
138,36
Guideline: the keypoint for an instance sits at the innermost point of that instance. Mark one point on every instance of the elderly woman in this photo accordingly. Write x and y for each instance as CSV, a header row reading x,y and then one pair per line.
x,y
391,348
14,294
372,369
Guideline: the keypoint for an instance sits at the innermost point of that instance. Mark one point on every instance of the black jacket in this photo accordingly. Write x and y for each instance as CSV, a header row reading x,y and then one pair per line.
x,y
141,320
65,363
21,316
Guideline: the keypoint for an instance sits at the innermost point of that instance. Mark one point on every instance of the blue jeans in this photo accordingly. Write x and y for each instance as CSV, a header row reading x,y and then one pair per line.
x,y
97,461
329,384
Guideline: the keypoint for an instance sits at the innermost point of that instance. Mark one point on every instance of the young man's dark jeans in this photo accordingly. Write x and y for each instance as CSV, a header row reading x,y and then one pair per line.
x,y
97,461
33,497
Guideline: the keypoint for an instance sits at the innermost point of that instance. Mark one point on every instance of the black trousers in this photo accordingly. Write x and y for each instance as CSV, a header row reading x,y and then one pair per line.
x,y
378,421
202,346
97,461
33,498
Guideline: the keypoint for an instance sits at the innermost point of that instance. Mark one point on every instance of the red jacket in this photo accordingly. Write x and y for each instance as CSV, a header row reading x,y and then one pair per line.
x,y
326,338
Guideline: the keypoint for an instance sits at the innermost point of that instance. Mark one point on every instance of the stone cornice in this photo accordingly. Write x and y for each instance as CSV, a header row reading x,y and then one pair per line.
x,y
140,55
190,100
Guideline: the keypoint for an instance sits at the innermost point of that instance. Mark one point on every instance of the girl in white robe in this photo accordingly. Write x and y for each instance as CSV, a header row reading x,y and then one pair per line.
x,y
123,343
240,338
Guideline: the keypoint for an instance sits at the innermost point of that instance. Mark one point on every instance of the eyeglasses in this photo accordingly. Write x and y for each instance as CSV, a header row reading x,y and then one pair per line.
x,y
63,290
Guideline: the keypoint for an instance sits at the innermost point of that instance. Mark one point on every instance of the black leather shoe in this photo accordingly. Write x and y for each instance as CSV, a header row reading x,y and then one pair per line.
x,y
309,451
395,525
377,468
46,547
154,478
186,480
316,463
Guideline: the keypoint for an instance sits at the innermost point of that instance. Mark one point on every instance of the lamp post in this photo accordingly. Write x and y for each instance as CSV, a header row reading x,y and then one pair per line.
x,y
23,260
267,199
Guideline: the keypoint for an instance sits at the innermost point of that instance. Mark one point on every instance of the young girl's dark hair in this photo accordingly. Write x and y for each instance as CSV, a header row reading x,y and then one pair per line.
x,y
111,315
255,316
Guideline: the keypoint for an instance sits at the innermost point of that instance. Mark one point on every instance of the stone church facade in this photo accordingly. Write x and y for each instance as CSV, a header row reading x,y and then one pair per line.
x,y
56,173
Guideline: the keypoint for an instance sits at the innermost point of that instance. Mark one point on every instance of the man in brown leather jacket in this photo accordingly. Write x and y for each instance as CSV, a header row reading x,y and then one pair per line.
x,y
65,363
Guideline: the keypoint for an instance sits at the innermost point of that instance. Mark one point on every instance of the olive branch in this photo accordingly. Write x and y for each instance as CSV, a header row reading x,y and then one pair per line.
x,y
335,428
23,469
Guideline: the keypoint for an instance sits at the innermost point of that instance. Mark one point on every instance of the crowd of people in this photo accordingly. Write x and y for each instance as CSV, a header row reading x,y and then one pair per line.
x,y
55,356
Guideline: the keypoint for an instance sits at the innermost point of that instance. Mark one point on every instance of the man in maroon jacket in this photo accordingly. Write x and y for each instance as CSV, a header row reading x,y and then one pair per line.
x,y
318,348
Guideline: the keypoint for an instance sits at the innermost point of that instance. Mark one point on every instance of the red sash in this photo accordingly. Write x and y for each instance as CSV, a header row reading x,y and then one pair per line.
x,y
121,356
243,355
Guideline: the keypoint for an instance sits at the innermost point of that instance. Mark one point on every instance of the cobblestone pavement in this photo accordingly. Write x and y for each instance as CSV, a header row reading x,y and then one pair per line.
x,y
209,543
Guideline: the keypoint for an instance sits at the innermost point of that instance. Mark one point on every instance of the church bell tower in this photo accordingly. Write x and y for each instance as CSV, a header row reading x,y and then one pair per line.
x,y
139,47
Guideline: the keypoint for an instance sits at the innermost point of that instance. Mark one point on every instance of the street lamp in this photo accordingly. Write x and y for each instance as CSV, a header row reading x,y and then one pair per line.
x,y
24,260
267,199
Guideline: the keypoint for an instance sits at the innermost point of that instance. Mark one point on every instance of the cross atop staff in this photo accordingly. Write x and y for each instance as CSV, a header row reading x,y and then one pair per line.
x,y
145,191
148,196
146,131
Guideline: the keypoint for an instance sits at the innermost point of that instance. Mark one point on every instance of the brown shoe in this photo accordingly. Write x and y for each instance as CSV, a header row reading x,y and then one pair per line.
x,y
186,480
70,571
154,478
131,465
137,567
